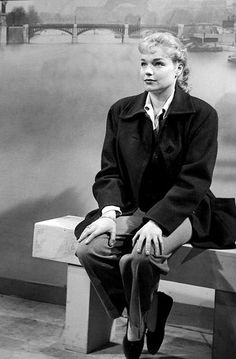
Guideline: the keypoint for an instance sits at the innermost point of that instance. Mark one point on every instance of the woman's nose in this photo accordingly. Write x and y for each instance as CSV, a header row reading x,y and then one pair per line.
x,y
149,70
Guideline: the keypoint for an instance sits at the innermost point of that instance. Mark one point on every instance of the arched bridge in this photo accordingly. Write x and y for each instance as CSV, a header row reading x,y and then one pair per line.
x,y
119,29
76,29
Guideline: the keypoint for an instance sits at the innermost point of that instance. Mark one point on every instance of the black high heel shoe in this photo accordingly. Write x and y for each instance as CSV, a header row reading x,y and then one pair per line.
x,y
132,350
155,339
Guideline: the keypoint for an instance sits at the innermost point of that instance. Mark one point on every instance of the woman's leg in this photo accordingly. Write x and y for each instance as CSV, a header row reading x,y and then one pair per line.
x,y
101,261
141,273
180,236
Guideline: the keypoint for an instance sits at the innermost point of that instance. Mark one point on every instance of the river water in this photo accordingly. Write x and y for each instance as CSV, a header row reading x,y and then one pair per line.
x,y
54,97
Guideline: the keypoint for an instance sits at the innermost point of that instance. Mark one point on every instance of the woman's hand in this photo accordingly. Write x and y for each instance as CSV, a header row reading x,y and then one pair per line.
x,y
149,235
100,226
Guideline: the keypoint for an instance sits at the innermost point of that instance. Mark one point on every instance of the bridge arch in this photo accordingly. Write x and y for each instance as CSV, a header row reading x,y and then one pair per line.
x,y
36,29
115,28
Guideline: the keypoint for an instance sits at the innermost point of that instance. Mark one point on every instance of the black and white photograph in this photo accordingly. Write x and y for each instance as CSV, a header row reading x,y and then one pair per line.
x,y
118,179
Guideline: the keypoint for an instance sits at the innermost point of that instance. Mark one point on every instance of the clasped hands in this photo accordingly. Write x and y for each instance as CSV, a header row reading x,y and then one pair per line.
x,y
148,236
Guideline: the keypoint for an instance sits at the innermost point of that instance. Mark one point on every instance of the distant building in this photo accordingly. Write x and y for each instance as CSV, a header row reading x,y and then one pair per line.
x,y
150,12
231,6
113,11
229,23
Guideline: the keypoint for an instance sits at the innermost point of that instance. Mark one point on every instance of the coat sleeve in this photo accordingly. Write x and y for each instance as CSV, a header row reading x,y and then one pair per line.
x,y
109,188
195,176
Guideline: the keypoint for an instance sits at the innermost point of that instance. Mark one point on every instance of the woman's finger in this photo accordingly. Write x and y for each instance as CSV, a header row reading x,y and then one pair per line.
x,y
100,226
86,232
134,239
112,237
148,245
157,249
91,237
161,243
139,243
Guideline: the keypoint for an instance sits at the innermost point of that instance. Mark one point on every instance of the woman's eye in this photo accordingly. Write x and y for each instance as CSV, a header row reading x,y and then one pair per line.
x,y
158,63
143,64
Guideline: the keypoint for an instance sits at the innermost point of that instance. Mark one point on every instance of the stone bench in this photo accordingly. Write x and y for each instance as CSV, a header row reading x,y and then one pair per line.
x,y
54,240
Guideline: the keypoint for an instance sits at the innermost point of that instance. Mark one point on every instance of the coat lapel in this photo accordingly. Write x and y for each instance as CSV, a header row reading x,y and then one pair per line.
x,y
135,138
181,104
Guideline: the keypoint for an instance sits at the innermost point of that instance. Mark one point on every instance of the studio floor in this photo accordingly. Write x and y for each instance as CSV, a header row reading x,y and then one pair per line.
x,y
34,330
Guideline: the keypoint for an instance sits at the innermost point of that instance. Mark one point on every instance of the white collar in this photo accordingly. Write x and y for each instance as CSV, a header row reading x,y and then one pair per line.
x,y
148,107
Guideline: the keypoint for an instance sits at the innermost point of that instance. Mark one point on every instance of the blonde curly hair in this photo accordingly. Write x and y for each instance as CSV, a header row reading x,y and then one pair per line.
x,y
176,51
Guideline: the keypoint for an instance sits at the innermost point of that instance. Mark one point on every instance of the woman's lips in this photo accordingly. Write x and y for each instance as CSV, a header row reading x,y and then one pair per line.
x,y
149,80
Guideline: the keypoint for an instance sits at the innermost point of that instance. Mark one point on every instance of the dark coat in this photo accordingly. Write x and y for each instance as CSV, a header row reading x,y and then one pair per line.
x,y
188,145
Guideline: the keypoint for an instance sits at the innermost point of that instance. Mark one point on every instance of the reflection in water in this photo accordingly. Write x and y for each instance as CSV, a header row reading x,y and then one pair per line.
x,y
54,97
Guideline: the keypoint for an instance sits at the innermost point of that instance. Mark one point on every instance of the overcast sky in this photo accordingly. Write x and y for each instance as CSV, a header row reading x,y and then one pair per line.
x,y
40,5
53,5
63,6
12,4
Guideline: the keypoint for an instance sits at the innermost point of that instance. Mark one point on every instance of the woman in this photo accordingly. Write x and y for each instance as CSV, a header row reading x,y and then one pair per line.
x,y
152,190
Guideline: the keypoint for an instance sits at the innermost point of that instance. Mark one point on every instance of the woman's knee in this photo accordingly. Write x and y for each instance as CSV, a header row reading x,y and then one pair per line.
x,y
140,259
124,260
97,247
134,260
82,251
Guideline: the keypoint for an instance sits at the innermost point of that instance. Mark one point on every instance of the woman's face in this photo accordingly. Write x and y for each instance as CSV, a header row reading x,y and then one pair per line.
x,y
158,71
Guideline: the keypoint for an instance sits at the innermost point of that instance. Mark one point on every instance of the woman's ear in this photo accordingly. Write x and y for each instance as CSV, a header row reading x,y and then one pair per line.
x,y
179,69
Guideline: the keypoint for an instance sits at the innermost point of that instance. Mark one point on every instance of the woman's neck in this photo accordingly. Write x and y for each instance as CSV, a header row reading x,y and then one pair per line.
x,y
157,103
158,100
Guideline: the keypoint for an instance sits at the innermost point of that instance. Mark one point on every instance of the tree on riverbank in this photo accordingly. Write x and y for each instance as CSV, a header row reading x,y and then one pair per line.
x,y
18,16
33,17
